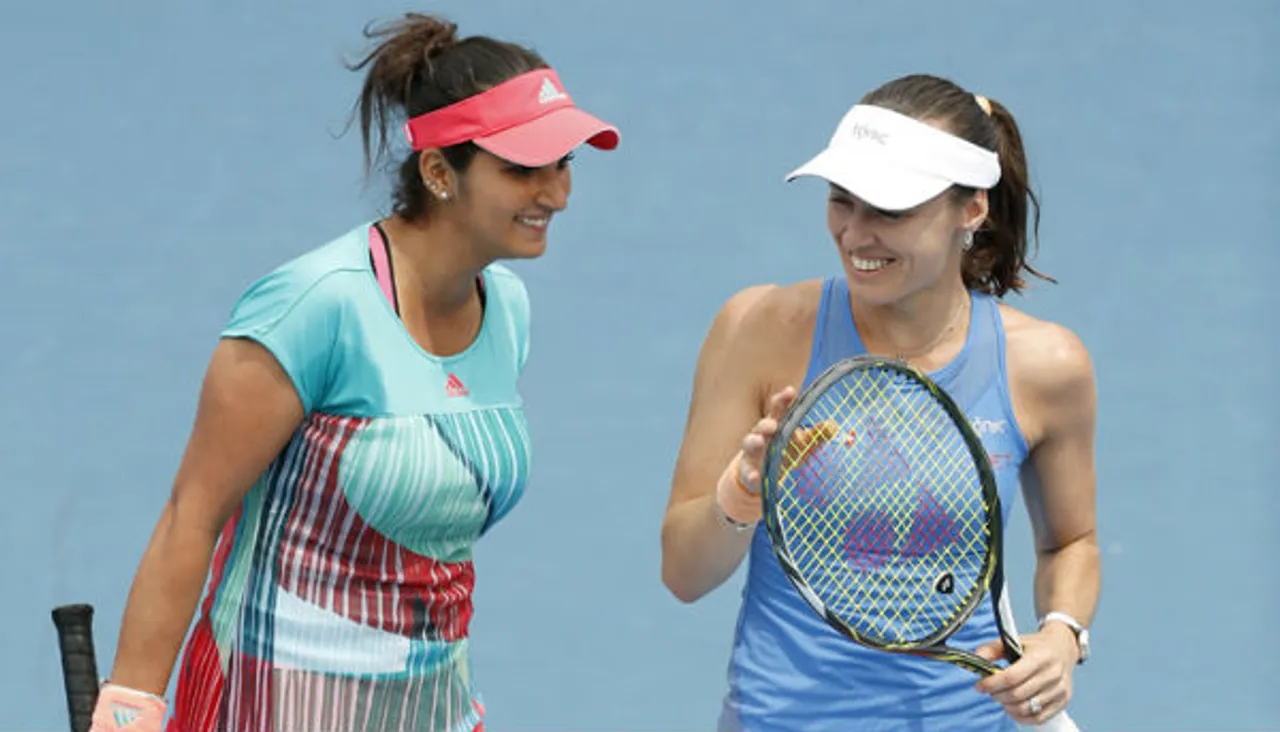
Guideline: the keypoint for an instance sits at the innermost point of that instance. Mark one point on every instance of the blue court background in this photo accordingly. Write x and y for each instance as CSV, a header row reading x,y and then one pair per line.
x,y
156,157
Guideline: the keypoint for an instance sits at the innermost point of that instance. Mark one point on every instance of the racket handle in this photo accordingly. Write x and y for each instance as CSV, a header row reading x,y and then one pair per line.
x,y
79,662
1060,722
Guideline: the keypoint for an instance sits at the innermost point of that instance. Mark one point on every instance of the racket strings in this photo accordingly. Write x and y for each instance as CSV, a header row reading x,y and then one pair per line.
x,y
882,509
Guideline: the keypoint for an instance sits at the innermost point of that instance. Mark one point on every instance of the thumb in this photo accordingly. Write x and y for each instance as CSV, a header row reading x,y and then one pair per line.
x,y
993,651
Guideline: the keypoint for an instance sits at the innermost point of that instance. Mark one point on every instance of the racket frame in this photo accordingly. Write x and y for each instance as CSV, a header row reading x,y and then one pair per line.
x,y
991,577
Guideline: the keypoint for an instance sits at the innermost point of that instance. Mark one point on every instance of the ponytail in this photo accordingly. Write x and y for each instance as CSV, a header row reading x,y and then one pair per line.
x,y
401,59
995,262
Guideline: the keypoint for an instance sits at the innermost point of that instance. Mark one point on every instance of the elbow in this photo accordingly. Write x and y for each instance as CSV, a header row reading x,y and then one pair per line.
x,y
678,586
675,577
1083,543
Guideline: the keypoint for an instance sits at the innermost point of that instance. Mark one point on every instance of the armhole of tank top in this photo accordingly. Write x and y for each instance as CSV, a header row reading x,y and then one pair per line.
x,y
1006,396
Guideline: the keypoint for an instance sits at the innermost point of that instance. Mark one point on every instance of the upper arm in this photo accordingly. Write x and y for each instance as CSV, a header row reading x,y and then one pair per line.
x,y
272,366
1056,378
295,316
726,398
247,411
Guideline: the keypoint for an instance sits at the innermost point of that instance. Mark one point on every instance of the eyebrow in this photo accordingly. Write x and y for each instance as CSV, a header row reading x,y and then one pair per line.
x,y
839,192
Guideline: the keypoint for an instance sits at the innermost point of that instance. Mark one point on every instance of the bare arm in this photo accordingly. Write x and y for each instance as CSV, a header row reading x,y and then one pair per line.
x,y
1055,396
248,410
1060,480
700,550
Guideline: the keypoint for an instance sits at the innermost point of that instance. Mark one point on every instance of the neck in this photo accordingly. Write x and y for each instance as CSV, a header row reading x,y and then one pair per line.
x,y
921,325
436,269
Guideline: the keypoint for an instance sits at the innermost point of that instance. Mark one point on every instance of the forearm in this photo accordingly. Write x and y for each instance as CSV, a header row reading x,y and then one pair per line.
x,y
1068,579
700,549
162,601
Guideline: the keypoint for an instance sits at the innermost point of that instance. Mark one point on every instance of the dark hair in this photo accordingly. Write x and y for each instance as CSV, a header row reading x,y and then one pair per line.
x,y
419,65
995,262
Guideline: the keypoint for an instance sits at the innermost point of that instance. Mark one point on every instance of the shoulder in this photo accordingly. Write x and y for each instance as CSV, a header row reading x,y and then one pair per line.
x,y
296,311
506,293
759,334
319,280
506,284
1051,372
508,298
769,310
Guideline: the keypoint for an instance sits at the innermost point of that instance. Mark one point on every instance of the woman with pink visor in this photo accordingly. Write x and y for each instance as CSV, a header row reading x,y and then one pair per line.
x,y
360,427
927,202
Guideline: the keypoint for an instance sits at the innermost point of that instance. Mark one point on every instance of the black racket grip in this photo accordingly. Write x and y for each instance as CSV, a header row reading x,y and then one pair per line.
x,y
79,662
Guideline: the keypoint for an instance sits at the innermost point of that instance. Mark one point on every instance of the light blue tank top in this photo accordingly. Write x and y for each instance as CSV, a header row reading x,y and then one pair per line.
x,y
788,669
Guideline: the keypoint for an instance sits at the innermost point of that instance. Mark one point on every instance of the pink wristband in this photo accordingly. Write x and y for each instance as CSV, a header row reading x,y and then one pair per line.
x,y
739,504
121,709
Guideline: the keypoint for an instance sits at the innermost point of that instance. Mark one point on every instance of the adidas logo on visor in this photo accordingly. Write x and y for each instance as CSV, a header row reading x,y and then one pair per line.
x,y
549,93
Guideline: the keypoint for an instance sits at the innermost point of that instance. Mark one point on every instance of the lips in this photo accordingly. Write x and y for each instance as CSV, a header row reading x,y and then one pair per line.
x,y
870,262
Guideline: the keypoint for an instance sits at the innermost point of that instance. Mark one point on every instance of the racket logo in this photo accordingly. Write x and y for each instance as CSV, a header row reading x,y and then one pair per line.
x,y
945,585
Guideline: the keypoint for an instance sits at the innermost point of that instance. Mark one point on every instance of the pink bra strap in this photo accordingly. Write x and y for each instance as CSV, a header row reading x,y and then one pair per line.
x,y
381,265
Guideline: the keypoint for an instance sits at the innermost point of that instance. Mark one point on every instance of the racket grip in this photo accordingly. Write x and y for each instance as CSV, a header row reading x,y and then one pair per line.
x,y
1060,722
74,624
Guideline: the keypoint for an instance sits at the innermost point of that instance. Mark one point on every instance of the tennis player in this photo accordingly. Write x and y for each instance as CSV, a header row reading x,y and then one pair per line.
x,y
360,428
928,207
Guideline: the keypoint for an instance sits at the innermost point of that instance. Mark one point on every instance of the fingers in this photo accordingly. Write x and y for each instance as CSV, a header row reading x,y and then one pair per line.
x,y
757,440
1039,675
780,402
1036,699
1039,706
753,447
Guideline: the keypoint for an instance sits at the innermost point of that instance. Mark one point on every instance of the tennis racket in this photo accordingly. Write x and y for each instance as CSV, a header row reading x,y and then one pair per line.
x,y
79,662
882,507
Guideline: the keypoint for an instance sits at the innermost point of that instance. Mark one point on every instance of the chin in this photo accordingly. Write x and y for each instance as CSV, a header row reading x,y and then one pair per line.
x,y
878,290
525,250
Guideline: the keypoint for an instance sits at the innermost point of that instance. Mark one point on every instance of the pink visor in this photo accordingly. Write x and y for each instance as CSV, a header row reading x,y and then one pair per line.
x,y
529,120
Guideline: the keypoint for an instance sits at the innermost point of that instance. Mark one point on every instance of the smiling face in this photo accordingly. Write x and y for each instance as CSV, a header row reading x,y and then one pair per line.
x,y
504,209
890,255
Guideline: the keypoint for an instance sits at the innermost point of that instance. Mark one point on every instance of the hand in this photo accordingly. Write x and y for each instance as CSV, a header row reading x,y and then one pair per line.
x,y
120,708
1043,673
800,445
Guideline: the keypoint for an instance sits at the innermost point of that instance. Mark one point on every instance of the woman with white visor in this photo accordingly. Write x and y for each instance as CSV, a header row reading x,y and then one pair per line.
x,y
928,208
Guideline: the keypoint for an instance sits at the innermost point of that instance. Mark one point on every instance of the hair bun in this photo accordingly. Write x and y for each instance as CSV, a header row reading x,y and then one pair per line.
x,y
429,34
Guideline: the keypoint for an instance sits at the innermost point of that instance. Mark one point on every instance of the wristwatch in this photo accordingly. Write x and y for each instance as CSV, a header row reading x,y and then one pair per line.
x,y
1082,633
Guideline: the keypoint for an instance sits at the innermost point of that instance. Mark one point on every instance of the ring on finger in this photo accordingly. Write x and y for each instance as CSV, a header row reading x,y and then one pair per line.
x,y
1033,707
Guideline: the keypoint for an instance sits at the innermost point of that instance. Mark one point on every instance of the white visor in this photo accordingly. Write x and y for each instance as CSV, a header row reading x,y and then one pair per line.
x,y
894,162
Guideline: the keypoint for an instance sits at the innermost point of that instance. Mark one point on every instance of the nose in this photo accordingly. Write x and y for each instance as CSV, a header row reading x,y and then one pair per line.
x,y
851,229
555,184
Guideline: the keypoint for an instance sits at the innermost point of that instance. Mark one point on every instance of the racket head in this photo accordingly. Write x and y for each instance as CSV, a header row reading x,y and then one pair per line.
x,y
882,507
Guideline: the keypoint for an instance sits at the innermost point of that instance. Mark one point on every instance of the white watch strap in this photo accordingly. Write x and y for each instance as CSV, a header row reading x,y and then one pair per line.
x,y
1069,621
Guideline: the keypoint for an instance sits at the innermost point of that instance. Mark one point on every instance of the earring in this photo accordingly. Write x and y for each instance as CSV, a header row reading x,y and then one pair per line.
x,y
968,240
